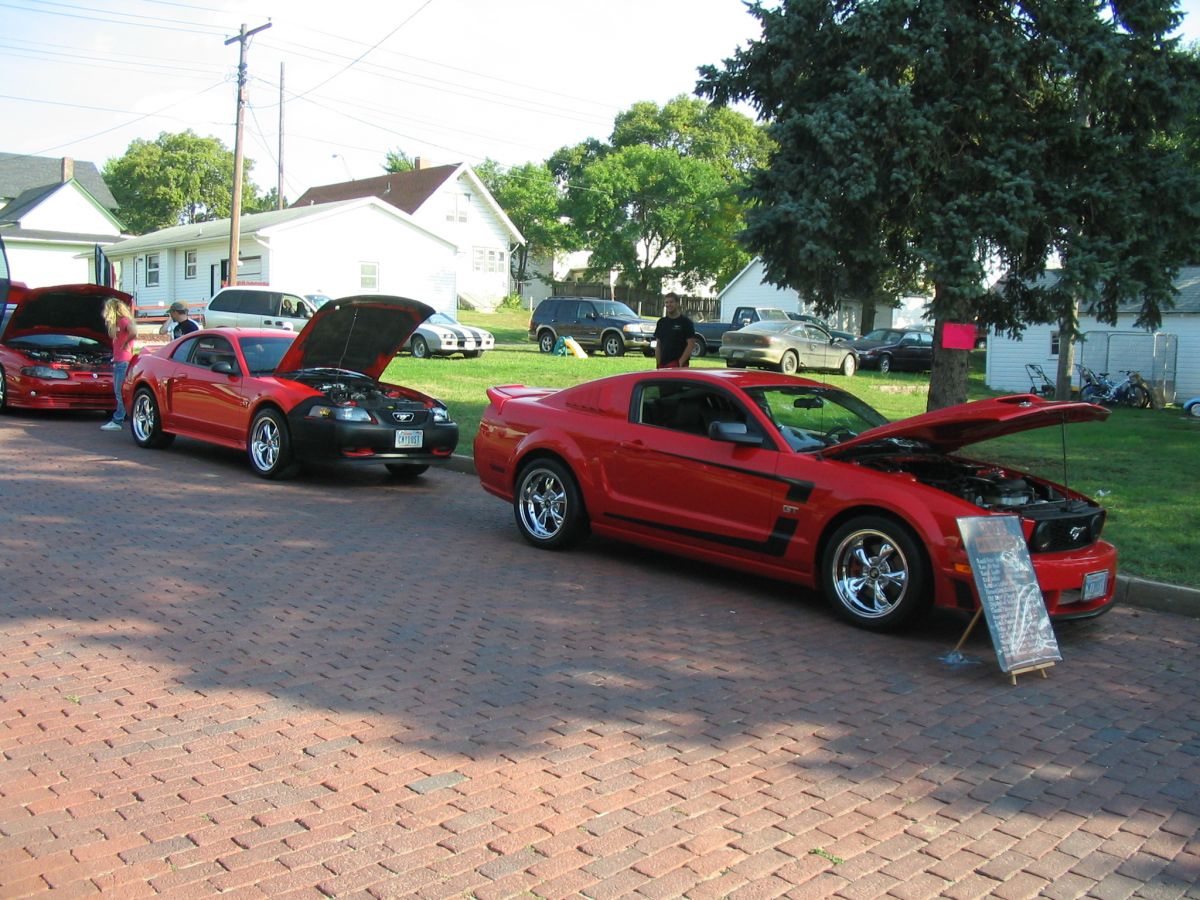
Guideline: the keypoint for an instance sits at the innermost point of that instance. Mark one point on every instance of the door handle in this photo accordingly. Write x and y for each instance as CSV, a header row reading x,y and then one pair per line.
x,y
636,446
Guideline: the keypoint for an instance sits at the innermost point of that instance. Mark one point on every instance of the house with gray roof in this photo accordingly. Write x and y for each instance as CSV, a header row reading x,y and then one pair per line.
x,y
452,201
53,212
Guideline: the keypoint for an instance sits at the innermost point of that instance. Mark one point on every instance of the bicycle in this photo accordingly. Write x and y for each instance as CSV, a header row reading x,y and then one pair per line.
x,y
1132,390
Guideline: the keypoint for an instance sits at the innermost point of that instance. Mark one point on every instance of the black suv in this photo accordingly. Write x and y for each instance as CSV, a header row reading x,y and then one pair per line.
x,y
608,325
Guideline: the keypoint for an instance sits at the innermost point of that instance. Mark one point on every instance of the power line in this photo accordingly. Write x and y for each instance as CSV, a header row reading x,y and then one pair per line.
x,y
199,27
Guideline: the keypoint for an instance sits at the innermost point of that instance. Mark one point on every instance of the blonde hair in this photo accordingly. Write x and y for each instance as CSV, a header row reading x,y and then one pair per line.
x,y
115,310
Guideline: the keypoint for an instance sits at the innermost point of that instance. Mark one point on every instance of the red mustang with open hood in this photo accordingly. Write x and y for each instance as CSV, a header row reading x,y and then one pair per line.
x,y
286,398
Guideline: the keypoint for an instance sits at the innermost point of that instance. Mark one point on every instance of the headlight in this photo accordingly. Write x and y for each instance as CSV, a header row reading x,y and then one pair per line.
x,y
633,328
1041,538
440,414
45,372
340,413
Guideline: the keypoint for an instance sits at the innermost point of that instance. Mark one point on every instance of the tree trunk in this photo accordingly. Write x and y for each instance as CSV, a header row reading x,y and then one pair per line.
x,y
948,378
1067,325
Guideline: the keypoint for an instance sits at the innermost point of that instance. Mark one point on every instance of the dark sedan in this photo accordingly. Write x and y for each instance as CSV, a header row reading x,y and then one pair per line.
x,y
895,349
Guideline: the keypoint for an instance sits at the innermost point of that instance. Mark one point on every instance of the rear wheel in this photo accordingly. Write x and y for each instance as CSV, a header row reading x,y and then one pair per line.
x,y
546,340
849,365
270,446
3,392
402,472
613,345
420,347
146,422
548,506
1193,409
789,363
885,363
874,573
700,349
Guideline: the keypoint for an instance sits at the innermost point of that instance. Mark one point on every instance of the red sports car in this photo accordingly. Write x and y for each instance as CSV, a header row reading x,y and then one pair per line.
x,y
55,352
792,479
288,398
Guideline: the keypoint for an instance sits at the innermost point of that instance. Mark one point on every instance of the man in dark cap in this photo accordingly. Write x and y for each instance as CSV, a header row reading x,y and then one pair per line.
x,y
178,324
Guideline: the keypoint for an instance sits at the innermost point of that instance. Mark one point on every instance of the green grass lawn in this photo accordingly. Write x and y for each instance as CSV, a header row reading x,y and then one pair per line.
x,y
1139,463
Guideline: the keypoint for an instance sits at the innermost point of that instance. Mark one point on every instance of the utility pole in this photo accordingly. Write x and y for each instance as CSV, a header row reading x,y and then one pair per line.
x,y
235,217
279,188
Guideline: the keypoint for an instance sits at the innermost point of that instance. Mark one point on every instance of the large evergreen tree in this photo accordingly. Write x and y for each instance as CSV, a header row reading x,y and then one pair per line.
x,y
932,140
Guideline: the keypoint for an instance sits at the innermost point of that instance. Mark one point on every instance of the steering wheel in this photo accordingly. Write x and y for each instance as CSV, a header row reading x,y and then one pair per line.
x,y
839,434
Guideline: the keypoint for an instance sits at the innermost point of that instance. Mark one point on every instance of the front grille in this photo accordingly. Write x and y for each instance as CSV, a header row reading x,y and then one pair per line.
x,y
1058,529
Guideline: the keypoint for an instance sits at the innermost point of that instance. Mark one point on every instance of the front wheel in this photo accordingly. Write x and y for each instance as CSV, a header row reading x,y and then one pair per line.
x,y
420,347
270,446
545,341
473,354
146,422
548,506
613,345
885,364
700,348
874,574
849,365
789,363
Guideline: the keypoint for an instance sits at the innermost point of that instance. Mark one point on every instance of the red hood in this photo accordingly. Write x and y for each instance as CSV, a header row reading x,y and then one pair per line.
x,y
74,309
361,334
970,423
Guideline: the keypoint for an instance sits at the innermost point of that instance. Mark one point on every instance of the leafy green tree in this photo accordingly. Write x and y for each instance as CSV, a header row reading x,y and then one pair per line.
x,y
176,179
398,161
660,200
927,140
529,196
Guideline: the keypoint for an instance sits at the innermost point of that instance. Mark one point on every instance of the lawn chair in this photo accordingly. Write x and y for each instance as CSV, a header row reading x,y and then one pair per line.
x,y
1038,382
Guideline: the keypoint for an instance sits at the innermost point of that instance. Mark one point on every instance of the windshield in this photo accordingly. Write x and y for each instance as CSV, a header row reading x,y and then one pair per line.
x,y
613,308
441,319
883,334
317,300
264,353
54,342
812,418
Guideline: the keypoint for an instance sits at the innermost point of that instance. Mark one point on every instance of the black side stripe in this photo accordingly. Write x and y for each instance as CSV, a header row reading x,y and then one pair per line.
x,y
798,491
775,545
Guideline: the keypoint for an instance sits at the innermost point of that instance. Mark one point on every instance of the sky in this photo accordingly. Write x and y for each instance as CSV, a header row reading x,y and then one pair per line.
x,y
446,80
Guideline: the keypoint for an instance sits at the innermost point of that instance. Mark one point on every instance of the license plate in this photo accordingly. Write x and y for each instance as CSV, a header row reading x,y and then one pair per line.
x,y
738,354
1095,585
409,439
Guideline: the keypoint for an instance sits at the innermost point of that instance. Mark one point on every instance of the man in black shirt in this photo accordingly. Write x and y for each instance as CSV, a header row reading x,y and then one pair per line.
x,y
674,335
178,324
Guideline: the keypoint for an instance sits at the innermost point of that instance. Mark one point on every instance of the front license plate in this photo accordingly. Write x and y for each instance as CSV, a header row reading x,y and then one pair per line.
x,y
1095,585
738,354
410,439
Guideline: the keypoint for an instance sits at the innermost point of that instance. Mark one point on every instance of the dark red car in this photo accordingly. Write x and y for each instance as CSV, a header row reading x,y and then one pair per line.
x,y
290,398
792,479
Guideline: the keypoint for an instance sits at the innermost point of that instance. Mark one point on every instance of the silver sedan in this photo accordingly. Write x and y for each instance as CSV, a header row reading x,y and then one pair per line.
x,y
787,347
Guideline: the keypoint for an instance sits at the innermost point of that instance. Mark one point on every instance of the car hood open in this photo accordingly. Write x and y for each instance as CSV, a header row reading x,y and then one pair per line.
x,y
74,309
361,334
970,423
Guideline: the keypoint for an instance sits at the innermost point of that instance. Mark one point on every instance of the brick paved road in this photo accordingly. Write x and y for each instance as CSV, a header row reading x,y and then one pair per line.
x,y
344,687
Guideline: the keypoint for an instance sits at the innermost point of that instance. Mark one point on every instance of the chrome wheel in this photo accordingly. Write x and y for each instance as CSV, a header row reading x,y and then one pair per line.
x,y
875,574
885,364
144,418
264,444
420,348
547,505
849,365
546,341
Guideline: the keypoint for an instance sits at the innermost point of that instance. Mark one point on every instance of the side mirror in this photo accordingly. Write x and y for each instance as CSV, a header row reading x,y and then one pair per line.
x,y
225,367
734,433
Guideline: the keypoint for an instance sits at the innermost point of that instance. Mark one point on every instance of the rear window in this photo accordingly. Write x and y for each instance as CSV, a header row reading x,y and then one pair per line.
x,y
259,303
227,301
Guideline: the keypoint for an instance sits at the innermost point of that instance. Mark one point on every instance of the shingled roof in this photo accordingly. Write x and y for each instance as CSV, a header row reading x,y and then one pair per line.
x,y
31,177
406,190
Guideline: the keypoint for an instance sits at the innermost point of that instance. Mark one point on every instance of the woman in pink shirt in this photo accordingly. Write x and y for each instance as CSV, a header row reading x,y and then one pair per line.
x,y
118,317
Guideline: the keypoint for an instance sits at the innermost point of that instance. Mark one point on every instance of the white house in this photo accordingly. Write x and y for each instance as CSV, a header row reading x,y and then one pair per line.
x,y
749,288
53,212
453,202
339,249
1168,358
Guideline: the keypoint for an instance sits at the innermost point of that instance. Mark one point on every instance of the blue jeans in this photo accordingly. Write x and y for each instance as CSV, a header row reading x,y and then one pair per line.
x,y
119,369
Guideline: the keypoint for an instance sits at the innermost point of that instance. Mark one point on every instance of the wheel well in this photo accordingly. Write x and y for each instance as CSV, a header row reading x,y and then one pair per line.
x,y
265,405
542,453
611,331
542,329
847,514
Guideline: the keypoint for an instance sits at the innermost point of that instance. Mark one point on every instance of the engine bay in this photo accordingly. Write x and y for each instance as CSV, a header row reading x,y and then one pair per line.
x,y
987,486
74,356
350,387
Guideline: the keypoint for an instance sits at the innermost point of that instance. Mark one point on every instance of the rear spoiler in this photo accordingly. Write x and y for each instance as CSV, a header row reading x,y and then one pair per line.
x,y
500,394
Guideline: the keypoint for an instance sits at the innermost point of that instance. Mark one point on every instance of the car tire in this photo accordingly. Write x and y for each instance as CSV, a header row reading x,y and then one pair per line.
x,y
734,364
3,392
849,365
402,472
546,340
473,354
701,348
874,573
885,364
145,422
612,344
547,505
1193,409
789,363
269,446
420,347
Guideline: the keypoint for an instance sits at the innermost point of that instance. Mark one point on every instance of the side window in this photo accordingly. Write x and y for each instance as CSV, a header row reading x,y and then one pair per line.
x,y
184,350
211,349
258,303
685,407
293,307
585,310
568,310
226,301
926,340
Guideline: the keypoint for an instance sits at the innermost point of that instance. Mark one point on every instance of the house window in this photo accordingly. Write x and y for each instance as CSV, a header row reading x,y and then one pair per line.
x,y
457,206
189,264
151,270
487,259
368,276
1054,343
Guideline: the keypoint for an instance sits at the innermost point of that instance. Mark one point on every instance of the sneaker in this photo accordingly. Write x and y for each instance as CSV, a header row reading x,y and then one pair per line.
x,y
112,426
